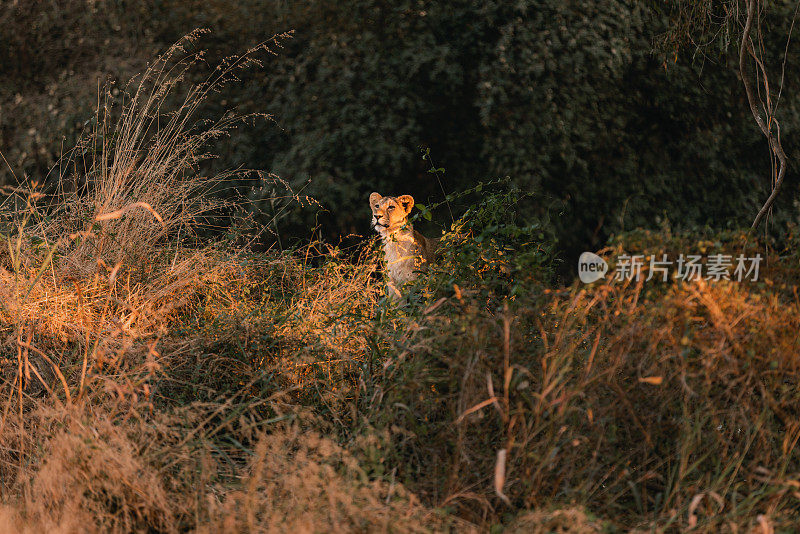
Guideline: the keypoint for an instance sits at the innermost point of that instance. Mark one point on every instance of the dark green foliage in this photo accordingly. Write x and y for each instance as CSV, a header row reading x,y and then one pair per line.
x,y
579,107
357,91
495,249
586,103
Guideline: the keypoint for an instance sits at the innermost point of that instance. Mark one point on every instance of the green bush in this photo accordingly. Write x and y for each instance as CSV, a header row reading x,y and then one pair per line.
x,y
494,249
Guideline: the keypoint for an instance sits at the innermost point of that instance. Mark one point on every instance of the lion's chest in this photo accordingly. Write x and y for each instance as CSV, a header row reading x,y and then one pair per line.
x,y
404,257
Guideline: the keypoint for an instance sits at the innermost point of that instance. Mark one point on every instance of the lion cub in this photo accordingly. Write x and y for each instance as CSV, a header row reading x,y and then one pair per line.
x,y
406,252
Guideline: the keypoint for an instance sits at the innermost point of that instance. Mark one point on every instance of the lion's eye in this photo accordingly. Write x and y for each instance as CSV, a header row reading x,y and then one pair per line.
x,y
391,208
376,206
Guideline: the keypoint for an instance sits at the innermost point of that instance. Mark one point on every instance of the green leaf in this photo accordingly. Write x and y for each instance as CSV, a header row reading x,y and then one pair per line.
x,y
427,215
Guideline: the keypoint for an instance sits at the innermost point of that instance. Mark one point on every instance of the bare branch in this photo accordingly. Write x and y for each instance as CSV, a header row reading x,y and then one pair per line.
x,y
765,126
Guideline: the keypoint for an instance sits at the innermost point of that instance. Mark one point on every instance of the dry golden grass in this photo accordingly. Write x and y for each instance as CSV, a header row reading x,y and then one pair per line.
x,y
304,482
302,400
666,406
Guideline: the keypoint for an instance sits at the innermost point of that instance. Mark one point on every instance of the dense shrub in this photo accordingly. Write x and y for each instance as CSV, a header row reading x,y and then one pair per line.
x,y
570,99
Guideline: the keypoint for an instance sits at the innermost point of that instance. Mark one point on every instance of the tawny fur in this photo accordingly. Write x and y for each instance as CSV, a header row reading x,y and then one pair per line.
x,y
406,251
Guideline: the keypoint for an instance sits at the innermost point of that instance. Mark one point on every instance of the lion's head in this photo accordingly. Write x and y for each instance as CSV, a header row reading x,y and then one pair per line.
x,y
389,213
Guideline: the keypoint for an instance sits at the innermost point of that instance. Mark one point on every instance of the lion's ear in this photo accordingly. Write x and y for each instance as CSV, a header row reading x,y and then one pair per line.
x,y
373,198
407,201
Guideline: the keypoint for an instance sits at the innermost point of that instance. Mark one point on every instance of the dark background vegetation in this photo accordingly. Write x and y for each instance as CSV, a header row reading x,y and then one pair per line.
x,y
573,100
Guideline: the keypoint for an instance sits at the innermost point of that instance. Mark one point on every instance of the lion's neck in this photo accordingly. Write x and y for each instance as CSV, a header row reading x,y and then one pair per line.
x,y
398,232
